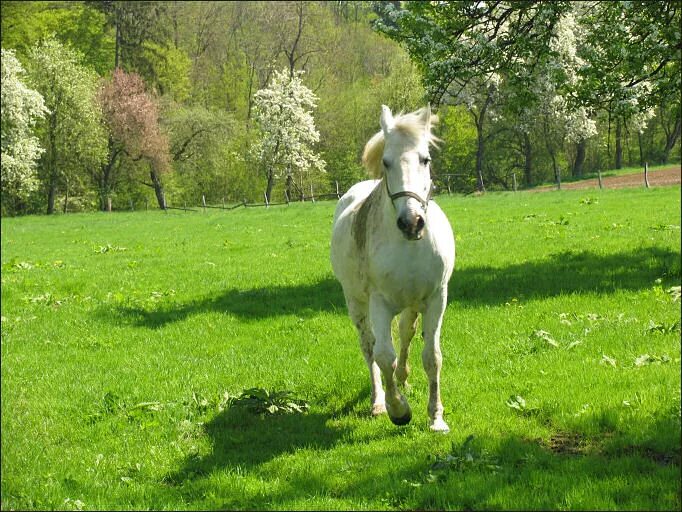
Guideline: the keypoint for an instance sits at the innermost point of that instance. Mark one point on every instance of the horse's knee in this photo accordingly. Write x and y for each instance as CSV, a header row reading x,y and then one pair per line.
x,y
384,357
432,359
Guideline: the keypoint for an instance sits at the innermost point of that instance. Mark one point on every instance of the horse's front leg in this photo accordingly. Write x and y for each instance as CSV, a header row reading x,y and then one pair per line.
x,y
384,354
432,358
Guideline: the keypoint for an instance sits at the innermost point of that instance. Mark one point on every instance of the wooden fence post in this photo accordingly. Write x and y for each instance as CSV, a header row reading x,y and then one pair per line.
x,y
514,180
601,184
337,190
223,203
646,174
312,194
108,204
203,202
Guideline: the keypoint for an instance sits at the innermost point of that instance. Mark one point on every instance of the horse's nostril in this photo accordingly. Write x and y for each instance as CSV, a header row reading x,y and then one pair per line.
x,y
420,223
402,225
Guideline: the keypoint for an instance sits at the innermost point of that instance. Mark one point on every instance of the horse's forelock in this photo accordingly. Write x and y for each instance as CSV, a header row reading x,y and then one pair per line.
x,y
413,125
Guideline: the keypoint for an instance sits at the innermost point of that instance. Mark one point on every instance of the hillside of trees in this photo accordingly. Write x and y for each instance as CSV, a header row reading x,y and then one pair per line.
x,y
108,104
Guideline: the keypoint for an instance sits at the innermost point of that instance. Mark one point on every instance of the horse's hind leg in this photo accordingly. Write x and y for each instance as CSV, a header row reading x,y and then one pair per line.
x,y
407,327
359,314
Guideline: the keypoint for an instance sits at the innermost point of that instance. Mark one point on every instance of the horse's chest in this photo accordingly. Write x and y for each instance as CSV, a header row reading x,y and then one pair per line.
x,y
407,276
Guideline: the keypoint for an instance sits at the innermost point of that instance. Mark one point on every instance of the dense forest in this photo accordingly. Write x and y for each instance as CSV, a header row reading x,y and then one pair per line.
x,y
113,104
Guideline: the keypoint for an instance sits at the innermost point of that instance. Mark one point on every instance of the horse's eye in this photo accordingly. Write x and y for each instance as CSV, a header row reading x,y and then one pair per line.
x,y
386,163
425,160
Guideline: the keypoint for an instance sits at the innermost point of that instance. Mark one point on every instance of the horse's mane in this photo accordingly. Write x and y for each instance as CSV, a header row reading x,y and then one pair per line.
x,y
411,124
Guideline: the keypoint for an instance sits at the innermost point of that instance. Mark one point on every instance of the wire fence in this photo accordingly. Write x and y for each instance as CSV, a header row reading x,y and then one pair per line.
x,y
244,204
445,184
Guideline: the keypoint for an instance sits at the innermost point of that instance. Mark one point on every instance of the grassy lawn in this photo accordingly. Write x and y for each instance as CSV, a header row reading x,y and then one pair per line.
x,y
127,337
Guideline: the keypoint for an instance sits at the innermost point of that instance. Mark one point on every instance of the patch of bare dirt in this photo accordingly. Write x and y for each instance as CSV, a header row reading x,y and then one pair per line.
x,y
659,178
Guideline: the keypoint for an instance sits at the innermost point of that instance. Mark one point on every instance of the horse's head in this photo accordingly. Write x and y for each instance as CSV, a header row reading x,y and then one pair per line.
x,y
400,153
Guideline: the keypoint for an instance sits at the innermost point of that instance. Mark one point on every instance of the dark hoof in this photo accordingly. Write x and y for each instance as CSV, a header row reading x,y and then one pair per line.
x,y
403,420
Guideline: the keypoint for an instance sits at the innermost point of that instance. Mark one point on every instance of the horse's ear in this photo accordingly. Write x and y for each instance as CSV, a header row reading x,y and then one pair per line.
x,y
426,117
387,122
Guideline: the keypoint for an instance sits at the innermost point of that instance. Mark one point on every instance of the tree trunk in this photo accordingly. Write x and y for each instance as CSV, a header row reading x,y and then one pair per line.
x,y
66,198
579,163
528,160
480,140
158,188
107,177
270,185
117,48
480,149
557,176
671,139
51,163
289,186
619,144
51,194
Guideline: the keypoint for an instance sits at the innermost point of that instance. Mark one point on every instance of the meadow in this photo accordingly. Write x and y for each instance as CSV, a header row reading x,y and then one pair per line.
x,y
130,339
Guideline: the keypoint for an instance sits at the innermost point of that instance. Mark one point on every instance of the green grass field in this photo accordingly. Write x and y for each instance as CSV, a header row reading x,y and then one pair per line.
x,y
127,339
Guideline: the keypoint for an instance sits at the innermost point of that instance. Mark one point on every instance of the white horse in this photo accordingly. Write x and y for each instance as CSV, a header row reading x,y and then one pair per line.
x,y
393,251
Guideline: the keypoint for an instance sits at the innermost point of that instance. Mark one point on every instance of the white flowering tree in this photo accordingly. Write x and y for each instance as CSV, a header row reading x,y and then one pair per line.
x,y
283,111
22,107
563,119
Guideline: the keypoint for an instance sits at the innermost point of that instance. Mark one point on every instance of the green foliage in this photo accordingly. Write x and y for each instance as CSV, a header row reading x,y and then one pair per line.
x,y
557,80
78,24
171,68
555,77
263,401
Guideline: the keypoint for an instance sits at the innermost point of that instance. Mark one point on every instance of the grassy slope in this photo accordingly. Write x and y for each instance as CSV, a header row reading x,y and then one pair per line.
x,y
609,172
121,335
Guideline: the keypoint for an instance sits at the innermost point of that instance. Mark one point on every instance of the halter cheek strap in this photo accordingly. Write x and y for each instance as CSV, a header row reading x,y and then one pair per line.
x,y
413,195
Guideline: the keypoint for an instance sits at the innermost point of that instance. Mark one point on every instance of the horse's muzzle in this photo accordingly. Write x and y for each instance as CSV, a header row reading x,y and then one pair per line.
x,y
412,226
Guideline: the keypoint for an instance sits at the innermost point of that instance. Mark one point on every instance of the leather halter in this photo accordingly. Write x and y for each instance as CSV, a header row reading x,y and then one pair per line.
x,y
407,193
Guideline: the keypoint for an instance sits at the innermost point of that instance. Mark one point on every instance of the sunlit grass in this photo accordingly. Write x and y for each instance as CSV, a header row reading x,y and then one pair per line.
x,y
127,339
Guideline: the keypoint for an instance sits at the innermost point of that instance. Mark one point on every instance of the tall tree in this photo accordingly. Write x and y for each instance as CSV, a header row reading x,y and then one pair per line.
x,y
131,114
283,111
22,107
72,132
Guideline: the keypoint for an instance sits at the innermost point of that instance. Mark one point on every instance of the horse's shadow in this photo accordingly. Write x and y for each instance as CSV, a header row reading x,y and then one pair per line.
x,y
303,300
562,273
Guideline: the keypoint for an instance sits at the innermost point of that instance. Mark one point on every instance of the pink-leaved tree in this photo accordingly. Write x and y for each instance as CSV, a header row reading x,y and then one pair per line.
x,y
131,114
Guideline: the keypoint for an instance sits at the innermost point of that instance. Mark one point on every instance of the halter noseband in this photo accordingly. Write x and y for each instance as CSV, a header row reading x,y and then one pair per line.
x,y
407,193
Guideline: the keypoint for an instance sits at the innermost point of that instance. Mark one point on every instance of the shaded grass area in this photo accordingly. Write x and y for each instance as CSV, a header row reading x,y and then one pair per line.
x,y
126,338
